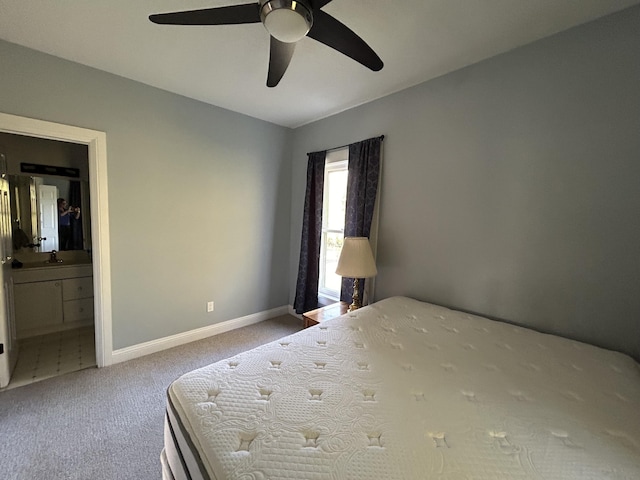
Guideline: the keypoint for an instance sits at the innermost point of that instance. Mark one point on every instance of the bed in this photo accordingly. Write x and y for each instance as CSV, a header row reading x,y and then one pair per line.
x,y
403,389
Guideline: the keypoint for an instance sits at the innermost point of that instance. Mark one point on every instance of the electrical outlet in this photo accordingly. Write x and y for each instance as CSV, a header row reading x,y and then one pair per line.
x,y
209,306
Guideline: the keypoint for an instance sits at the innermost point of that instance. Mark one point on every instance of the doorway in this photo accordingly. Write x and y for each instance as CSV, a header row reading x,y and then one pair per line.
x,y
52,301
96,143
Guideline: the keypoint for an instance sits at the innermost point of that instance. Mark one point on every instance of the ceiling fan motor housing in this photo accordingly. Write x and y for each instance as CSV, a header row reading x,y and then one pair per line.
x,y
286,20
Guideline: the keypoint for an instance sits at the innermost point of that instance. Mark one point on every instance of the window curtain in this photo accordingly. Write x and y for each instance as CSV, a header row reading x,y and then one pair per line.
x,y
309,267
362,188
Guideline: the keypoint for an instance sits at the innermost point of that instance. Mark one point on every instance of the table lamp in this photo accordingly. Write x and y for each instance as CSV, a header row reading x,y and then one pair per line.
x,y
356,261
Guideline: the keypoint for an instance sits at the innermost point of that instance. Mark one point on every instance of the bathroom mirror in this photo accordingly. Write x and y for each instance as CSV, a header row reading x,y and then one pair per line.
x,y
36,223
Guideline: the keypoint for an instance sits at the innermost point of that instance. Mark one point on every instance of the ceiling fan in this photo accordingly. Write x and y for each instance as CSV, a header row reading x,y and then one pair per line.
x,y
287,21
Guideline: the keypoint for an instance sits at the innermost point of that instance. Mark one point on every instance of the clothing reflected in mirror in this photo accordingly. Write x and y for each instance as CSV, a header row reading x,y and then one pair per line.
x,y
66,215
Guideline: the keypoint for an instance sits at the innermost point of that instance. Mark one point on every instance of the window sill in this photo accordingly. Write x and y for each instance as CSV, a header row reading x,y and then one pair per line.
x,y
324,299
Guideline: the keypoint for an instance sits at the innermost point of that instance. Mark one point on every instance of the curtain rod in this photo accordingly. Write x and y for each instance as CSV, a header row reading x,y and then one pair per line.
x,y
381,137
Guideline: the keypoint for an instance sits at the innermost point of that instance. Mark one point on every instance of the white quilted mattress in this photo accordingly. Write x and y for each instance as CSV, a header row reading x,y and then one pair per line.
x,y
407,390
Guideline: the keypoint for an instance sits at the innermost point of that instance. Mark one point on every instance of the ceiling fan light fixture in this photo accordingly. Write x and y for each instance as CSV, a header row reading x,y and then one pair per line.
x,y
286,20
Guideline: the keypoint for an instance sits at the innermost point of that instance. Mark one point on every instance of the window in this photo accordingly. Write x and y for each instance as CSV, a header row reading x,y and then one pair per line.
x,y
333,216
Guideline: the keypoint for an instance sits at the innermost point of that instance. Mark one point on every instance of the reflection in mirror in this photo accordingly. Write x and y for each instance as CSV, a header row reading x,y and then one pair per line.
x,y
49,213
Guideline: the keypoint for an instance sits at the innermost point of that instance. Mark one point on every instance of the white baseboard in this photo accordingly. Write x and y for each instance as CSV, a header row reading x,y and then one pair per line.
x,y
292,311
154,346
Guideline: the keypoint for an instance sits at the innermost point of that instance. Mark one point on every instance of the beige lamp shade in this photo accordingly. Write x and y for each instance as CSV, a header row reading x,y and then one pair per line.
x,y
356,259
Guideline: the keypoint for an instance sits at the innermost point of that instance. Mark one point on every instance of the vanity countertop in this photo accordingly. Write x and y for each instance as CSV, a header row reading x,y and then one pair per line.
x,y
42,272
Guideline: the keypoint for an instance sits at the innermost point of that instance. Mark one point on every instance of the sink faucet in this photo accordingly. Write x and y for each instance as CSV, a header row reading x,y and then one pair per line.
x,y
53,258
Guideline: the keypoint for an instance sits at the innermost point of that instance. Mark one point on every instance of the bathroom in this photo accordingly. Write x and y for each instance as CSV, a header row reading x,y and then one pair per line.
x,y
51,289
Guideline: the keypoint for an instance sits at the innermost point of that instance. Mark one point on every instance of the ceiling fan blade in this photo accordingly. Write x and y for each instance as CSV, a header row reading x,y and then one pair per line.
x,y
318,4
231,15
279,59
338,36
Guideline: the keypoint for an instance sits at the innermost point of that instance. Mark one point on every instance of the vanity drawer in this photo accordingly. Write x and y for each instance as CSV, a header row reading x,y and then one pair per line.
x,y
75,310
74,288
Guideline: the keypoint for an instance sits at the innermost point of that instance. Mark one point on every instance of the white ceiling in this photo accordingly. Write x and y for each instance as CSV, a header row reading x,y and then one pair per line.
x,y
227,65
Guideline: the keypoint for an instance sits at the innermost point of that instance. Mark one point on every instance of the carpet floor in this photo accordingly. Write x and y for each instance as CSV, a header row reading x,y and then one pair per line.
x,y
107,423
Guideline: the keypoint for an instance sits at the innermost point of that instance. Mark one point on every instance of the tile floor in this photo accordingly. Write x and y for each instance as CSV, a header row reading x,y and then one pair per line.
x,y
53,354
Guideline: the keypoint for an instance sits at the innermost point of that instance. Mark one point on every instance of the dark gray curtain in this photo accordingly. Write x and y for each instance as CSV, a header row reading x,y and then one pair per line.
x,y
309,266
362,187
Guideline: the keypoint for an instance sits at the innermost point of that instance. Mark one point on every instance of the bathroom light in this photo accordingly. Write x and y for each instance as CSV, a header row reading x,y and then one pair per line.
x,y
286,20
356,261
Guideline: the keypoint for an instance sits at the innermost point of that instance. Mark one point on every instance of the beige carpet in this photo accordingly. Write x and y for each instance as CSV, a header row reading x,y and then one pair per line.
x,y
108,423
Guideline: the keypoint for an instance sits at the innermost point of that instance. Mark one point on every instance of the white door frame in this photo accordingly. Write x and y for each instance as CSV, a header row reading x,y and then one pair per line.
x,y
97,144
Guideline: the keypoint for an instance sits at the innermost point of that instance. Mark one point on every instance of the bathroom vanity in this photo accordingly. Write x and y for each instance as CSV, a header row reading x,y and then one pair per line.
x,y
52,298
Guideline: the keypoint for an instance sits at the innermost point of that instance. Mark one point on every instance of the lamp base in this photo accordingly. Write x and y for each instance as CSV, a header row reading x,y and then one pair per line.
x,y
356,302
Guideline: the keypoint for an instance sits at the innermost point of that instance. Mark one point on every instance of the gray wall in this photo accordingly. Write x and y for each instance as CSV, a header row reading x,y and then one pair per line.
x,y
511,188
199,196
